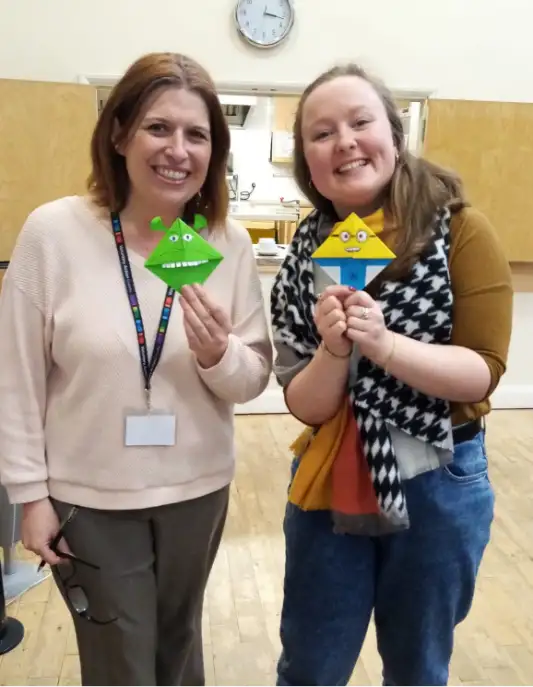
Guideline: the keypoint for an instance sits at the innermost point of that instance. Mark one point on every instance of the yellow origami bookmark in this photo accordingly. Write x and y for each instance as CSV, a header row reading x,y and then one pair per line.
x,y
352,254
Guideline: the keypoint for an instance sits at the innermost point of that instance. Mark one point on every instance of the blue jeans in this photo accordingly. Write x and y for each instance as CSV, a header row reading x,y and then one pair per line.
x,y
419,583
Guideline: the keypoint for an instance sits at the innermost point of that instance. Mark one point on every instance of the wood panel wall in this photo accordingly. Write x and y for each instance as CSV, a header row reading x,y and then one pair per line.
x,y
491,145
45,131
285,107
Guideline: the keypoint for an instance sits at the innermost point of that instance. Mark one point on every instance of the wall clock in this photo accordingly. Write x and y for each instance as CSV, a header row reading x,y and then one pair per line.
x,y
264,23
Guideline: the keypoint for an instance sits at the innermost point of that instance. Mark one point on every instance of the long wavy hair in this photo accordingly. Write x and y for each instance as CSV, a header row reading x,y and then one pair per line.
x,y
417,189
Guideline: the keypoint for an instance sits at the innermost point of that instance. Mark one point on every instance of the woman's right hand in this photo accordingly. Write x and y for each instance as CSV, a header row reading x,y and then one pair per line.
x,y
330,319
40,525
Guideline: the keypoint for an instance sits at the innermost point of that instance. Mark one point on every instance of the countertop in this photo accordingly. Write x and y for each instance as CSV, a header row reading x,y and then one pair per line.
x,y
270,260
263,212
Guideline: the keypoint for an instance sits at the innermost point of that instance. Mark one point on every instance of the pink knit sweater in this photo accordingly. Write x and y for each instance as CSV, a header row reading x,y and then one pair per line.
x,y
71,370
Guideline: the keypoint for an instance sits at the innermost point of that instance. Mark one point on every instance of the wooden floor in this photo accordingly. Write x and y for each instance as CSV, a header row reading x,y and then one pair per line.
x,y
493,647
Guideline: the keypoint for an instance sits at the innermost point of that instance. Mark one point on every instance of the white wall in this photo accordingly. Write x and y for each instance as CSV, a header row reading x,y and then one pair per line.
x,y
414,43
516,389
467,49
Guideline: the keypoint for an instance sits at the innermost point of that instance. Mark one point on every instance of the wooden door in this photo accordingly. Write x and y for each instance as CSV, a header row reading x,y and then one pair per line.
x,y
491,145
45,131
285,107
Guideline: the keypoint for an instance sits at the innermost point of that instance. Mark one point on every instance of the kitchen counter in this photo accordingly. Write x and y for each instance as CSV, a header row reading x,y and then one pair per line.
x,y
251,212
273,262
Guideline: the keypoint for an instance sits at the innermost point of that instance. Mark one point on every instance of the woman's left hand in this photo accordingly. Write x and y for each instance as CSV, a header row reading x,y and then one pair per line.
x,y
366,327
207,326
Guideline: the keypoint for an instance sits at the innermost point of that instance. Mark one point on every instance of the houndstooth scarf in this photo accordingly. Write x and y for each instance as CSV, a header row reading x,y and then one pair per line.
x,y
418,306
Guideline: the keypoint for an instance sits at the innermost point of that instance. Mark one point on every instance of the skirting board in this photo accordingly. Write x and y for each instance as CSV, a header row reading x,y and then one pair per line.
x,y
271,402
508,396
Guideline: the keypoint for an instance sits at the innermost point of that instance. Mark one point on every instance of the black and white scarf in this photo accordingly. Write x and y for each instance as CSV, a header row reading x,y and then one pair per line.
x,y
418,306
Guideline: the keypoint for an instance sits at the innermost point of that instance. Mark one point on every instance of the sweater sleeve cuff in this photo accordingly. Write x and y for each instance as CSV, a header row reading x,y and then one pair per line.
x,y
25,493
226,367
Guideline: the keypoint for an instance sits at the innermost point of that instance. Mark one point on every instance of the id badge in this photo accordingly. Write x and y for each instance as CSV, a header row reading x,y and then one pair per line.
x,y
150,429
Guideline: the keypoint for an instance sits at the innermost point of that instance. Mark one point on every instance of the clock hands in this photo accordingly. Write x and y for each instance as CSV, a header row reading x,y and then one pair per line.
x,y
271,14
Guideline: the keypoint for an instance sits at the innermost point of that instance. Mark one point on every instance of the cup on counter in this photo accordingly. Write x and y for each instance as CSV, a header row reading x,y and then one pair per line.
x,y
267,246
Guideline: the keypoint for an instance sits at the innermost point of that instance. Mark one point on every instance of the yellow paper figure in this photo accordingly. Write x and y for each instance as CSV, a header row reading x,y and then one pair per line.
x,y
352,254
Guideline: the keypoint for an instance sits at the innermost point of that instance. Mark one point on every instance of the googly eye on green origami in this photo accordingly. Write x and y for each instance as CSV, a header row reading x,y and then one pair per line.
x,y
187,237
173,238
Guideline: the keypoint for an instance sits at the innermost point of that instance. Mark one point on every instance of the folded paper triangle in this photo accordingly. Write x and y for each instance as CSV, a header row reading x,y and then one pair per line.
x,y
353,254
182,256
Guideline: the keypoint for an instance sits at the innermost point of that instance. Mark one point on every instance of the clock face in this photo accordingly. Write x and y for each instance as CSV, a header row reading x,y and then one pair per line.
x,y
264,23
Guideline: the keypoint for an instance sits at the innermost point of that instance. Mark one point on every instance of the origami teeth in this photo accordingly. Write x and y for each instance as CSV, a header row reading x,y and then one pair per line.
x,y
194,263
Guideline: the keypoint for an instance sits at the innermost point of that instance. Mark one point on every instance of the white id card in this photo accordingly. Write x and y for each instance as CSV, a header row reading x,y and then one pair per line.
x,y
151,429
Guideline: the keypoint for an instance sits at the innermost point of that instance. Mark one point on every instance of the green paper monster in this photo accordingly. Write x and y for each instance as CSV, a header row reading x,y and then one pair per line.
x,y
182,256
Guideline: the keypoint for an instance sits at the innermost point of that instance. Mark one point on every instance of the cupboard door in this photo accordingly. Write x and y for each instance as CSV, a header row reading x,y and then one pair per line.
x,y
491,145
285,112
45,132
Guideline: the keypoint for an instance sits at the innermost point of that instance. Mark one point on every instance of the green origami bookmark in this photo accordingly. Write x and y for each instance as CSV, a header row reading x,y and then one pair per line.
x,y
182,256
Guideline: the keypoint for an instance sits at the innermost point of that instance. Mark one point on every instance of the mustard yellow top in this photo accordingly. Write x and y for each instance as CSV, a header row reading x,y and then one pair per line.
x,y
483,296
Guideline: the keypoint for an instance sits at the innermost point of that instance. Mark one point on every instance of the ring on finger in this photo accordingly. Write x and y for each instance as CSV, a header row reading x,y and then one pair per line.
x,y
364,314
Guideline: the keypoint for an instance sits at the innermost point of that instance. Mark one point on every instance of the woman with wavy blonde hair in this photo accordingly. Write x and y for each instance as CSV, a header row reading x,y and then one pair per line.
x,y
390,505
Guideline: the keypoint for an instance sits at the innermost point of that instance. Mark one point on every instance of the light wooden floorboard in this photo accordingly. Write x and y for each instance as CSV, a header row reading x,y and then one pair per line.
x,y
494,646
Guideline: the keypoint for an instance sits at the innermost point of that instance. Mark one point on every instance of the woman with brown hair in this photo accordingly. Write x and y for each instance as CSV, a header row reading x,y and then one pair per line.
x,y
390,504
122,455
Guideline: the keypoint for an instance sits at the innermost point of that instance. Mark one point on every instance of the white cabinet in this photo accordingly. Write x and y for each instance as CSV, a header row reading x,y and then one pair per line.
x,y
282,147
413,120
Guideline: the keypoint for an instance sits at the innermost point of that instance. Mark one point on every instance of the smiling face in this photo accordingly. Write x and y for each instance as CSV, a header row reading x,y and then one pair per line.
x,y
352,242
168,155
348,144
352,238
182,256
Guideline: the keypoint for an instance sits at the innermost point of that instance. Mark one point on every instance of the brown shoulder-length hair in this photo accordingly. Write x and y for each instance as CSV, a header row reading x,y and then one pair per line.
x,y
417,187
108,182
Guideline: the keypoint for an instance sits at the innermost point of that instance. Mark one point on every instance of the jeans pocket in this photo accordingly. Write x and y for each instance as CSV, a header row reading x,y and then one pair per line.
x,y
469,462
